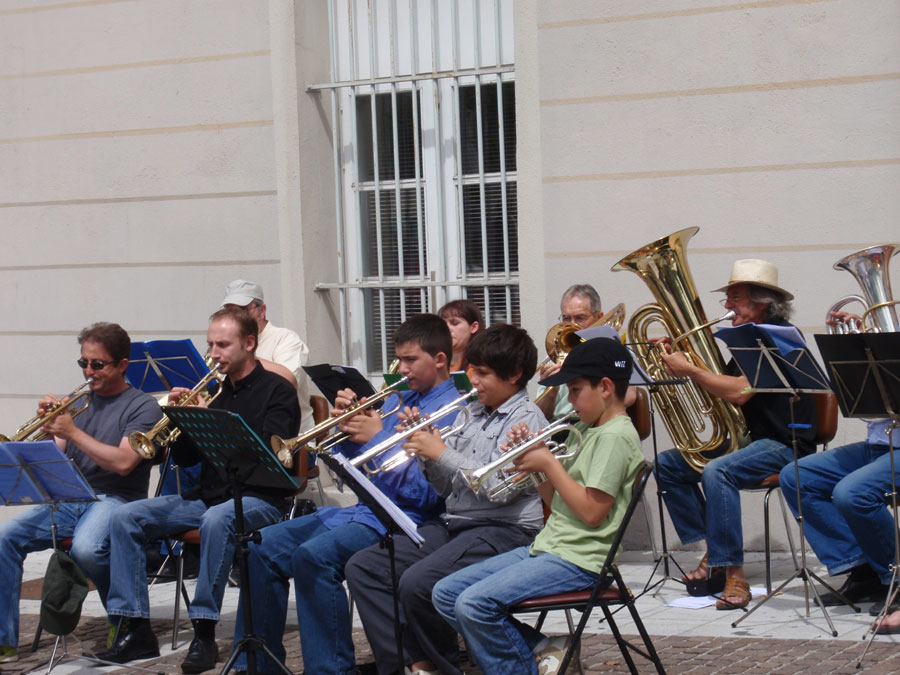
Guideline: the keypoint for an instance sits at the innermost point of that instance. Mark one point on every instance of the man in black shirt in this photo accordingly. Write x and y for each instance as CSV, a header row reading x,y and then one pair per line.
x,y
268,404
714,514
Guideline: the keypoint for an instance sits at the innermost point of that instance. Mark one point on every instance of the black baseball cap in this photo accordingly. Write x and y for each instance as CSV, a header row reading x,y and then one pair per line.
x,y
598,357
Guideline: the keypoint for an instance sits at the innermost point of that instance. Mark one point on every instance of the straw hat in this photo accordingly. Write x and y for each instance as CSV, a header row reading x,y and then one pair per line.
x,y
756,272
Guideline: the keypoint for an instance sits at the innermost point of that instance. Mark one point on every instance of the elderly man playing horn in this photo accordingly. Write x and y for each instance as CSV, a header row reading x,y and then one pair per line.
x,y
97,441
580,304
714,513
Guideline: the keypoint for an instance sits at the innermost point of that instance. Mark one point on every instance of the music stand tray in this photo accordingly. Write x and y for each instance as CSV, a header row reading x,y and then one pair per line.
x,y
159,365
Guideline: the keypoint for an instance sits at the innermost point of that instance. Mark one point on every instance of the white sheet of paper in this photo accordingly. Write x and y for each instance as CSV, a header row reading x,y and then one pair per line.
x,y
690,602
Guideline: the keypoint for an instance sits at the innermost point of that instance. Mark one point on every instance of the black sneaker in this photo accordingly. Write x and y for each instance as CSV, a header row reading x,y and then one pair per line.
x,y
202,655
137,642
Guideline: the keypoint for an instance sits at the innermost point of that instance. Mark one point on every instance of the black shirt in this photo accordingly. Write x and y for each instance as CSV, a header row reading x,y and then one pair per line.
x,y
268,404
768,415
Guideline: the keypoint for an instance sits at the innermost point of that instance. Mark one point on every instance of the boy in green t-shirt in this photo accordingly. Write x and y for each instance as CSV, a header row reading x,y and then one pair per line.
x,y
588,494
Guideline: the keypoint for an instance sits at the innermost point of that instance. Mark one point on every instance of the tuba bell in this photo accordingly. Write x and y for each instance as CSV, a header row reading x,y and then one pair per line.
x,y
870,269
697,422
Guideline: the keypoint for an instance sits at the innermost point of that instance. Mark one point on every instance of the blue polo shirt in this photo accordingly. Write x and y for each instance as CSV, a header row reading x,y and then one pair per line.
x,y
405,485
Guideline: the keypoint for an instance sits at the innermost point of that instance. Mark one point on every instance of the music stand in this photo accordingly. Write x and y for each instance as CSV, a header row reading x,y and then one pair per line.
x,y
394,520
775,360
159,365
37,472
241,458
640,378
865,370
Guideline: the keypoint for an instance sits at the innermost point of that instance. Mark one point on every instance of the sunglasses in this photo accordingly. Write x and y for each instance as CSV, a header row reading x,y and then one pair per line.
x,y
95,365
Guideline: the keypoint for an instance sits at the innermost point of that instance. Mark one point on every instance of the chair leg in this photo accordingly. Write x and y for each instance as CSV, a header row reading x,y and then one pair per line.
x,y
768,543
320,491
578,645
179,581
788,520
649,526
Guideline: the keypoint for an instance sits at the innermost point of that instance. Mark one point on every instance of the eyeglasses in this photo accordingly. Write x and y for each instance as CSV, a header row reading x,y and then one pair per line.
x,y
580,319
733,300
95,365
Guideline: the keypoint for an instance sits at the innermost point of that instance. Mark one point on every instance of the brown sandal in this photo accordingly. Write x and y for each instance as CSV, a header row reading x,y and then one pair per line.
x,y
734,589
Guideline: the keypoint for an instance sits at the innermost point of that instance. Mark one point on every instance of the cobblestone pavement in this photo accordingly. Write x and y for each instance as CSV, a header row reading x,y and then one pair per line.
x,y
679,654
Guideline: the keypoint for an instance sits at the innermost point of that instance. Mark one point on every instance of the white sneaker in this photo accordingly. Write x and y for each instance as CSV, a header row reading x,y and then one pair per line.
x,y
550,658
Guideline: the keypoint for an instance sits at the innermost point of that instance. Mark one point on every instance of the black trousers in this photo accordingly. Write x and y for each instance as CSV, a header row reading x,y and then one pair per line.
x,y
426,636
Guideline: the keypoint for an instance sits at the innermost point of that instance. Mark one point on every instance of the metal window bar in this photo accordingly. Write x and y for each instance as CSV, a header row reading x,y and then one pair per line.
x,y
393,187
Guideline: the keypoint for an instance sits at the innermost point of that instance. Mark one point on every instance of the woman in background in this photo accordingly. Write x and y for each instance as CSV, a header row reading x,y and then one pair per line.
x,y
464,320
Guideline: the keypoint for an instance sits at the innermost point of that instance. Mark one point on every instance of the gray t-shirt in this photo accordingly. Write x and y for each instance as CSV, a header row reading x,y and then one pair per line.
x,y
108,419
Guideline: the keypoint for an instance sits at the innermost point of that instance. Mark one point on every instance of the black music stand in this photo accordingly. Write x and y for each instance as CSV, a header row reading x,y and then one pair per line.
x,y
393,519
775,360
239,457
865,370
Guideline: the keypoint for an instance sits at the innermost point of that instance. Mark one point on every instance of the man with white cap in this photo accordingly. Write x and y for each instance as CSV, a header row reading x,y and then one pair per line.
x,y
277,345
714,514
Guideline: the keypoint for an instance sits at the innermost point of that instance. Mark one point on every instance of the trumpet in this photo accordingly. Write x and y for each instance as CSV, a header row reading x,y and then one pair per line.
x,y
519,480
285,449
33,426
144,443
411,426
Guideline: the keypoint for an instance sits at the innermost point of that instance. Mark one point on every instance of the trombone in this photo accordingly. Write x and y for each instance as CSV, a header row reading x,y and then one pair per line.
x,y
34,425
285,449
519,480
144,443
411,426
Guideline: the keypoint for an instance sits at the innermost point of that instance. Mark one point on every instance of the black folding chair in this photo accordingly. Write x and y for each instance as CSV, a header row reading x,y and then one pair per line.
x,y
608,590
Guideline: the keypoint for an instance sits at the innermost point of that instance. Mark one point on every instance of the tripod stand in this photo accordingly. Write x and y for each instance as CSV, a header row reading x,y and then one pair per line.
x,y
778,368
241,458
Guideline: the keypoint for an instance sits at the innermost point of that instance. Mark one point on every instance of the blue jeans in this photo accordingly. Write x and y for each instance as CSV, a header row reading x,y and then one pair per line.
x,y
314,556
136,524
86,522
714,513
846,519
475,600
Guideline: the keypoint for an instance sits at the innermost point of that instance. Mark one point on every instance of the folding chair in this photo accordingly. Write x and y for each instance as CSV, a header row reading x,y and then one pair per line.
x,y
602,596
305,472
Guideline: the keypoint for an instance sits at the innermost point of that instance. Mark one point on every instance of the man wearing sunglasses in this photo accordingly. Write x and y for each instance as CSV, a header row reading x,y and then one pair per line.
x,y
97,441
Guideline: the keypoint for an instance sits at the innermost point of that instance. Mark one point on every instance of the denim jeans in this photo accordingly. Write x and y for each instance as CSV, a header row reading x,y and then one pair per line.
x,y
714,513
475,599
846,519
86,522
314,556
138,523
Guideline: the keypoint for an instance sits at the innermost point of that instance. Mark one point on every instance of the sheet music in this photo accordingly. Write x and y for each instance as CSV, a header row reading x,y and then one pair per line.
x,y
410,529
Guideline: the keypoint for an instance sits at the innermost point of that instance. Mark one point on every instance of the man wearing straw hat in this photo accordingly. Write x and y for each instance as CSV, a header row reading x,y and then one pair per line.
x,y
714,514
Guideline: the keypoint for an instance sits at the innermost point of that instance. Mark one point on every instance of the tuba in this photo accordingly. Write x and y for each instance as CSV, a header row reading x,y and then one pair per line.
x,y
563,338
697,421
870,269
31,429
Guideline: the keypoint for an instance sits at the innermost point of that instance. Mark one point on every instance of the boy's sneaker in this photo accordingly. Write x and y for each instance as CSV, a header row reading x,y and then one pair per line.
x,y
550,658
8,654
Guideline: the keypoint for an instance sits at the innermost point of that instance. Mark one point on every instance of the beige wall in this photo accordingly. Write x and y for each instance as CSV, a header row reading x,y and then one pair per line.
x,y
148,155
773,126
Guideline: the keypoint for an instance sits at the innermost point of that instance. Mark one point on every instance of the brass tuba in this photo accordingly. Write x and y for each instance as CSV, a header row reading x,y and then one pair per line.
x,y
697,422
870,269
562,338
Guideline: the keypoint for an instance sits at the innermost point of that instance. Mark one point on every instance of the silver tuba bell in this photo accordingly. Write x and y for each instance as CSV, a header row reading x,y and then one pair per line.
x,y
870,269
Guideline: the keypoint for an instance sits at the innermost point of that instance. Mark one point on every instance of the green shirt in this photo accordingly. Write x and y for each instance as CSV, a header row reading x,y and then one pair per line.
x,y
609,460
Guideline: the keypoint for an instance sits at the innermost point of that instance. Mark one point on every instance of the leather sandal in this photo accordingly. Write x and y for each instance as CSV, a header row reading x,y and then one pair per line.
x,y
713,583
737,589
